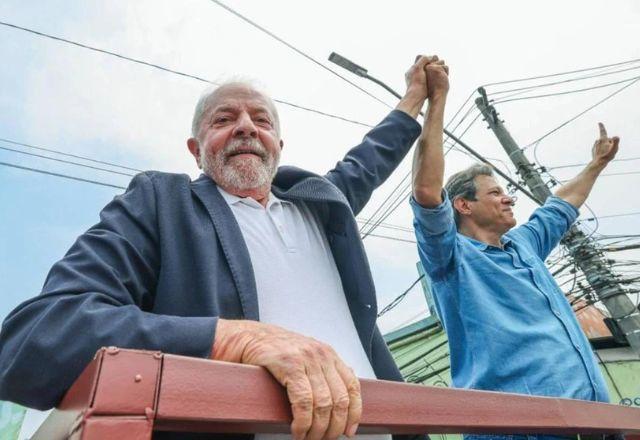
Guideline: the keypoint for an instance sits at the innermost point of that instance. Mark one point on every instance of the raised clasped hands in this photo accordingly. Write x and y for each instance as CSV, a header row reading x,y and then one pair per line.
x,y
428,76
437,73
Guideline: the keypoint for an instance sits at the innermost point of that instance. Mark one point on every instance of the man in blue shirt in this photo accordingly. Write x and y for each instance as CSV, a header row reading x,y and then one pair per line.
x,y
509,325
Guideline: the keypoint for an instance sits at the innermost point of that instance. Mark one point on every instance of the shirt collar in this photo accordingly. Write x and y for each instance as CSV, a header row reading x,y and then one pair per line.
x,y
506,241
232,199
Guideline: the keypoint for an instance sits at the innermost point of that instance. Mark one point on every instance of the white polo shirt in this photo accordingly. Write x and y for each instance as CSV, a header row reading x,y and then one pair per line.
x,y
297,281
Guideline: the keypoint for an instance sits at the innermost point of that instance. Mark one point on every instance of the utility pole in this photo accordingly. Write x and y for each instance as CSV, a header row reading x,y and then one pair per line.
x,y
586,252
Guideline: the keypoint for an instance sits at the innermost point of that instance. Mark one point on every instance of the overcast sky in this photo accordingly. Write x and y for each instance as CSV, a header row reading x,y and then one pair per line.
x,y
60,96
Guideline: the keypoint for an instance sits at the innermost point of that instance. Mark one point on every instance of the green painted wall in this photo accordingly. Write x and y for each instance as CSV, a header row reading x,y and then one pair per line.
x,y
11,417
623,380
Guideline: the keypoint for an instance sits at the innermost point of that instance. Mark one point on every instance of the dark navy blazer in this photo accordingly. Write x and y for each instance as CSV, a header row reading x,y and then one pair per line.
x,y
167,259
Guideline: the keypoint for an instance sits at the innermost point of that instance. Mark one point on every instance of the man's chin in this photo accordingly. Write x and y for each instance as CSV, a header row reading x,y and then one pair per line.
x,y
505,223
241,178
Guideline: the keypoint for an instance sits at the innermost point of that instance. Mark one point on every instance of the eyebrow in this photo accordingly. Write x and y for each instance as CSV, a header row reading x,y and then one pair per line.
x,y
223,108
231,109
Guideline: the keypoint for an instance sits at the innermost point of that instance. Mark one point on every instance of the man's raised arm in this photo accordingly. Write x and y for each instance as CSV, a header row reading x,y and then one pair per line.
x,y
428,159
577,189
368,165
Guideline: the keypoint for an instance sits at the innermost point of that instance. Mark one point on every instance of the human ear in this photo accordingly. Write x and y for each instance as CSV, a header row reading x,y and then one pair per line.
x,y
462,206
194,148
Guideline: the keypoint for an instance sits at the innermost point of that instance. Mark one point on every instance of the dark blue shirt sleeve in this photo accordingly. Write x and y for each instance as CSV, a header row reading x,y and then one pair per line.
x,y
547,225
95,296
368,165
436,234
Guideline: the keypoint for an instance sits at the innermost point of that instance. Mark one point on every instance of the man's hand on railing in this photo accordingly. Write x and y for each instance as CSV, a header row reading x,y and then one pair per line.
x,y
324,393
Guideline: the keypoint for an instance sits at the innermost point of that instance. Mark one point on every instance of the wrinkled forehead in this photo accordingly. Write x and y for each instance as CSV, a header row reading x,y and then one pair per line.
x,y
240,96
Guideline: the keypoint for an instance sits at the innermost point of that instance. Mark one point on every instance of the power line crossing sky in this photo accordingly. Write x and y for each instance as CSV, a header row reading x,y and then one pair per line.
x,y
131,107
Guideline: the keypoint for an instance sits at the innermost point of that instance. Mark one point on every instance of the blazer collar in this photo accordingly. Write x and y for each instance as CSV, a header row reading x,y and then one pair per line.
x,y
295,183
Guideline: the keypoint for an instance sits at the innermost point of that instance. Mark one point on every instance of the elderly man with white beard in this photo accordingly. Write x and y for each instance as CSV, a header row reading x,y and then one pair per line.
x,y
249,263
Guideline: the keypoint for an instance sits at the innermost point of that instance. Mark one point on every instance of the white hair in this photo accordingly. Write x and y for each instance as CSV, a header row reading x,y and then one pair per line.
x,y
209,96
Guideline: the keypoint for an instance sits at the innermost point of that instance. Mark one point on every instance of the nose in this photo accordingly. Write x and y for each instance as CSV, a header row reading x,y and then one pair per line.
x,y
510,200
244,126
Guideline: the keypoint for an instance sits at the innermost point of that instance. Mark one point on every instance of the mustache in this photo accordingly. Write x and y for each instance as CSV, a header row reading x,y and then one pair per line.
x,y
245,145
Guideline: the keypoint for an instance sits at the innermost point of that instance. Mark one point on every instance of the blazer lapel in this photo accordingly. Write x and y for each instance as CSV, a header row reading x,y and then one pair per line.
x,y
232,243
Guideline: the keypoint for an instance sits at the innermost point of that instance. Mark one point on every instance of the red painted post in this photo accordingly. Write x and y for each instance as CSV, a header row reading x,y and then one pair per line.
x,y
115,397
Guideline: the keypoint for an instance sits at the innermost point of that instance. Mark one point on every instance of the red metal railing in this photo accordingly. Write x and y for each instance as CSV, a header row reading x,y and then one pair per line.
x,y
130,394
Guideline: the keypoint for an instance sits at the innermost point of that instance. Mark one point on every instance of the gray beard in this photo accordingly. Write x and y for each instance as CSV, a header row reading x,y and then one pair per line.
x,y
241,175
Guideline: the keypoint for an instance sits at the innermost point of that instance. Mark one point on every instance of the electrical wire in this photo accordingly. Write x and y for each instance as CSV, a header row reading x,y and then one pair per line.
x,y
409,320
389,207
290,46
406,191
564,124
611,216
283,102
567,92
625,173
388,225
65,176
62,153
536,144
66,161
295,49
399,298
525,90
561,73
580,78
172,71
460,109
595,227
606,369
386,237
399,200
575,165
371,220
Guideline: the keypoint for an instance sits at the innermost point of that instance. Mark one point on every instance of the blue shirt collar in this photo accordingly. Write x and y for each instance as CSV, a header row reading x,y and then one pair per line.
x,y
506,241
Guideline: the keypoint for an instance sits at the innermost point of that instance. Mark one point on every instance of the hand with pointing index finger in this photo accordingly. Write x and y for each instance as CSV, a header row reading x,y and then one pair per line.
x,y
604,148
